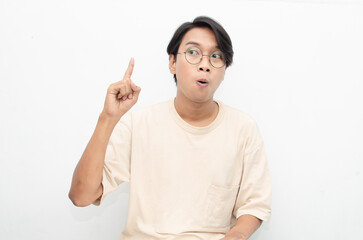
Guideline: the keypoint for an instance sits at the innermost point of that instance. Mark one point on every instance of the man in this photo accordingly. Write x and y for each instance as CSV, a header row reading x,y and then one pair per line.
x,y
197,167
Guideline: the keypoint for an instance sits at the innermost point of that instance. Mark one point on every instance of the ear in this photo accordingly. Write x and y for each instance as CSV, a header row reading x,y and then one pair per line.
x,y
172,64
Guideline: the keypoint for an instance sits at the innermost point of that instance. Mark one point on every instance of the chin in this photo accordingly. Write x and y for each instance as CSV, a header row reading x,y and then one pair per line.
x,y
201,99
196,97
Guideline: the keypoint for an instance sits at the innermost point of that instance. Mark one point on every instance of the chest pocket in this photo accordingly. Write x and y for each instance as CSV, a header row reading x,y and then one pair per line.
x,y
219,206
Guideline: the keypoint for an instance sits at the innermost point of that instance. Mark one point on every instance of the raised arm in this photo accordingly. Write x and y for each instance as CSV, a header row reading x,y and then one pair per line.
x,y
87,177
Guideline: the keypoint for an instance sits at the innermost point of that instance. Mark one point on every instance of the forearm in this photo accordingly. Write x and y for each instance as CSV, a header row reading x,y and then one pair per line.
x,y
245,226
86,183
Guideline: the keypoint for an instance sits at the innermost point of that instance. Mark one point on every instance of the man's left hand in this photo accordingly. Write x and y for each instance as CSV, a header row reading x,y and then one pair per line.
x,y
233,236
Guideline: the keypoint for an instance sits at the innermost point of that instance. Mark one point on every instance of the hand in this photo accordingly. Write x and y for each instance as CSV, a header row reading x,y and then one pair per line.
x,y
234,236
121,96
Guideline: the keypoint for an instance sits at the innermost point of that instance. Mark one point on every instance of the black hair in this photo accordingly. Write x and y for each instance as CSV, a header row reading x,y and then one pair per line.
x,y
223,40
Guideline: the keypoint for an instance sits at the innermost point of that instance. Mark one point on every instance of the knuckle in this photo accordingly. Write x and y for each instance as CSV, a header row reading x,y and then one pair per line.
x,y
111,86
127,81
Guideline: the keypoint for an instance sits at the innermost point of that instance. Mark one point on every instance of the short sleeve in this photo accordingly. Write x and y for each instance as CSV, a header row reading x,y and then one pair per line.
x,y
254,195
117,158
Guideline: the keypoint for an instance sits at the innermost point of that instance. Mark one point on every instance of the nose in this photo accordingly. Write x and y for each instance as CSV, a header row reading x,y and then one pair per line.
x,y
204,64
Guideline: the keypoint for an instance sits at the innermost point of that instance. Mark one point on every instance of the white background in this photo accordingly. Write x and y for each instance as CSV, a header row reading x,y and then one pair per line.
x,y
298,70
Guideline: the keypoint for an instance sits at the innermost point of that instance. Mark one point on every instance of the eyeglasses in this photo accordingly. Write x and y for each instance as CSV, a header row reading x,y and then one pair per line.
x,y
194,55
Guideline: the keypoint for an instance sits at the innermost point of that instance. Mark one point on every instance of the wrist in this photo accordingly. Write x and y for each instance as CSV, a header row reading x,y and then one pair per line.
x,y
104,118
106,123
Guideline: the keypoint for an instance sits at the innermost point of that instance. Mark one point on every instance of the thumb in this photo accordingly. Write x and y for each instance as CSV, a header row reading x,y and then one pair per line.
x,y
135,88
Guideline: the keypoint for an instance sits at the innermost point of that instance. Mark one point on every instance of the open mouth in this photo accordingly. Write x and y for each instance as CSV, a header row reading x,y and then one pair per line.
x,y
202,83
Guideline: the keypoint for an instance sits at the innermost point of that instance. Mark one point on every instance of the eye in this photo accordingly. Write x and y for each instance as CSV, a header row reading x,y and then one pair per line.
x,y
193,52
217,55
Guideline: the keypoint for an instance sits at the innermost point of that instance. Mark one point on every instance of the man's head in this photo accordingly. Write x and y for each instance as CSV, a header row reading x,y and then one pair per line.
x,y
221,36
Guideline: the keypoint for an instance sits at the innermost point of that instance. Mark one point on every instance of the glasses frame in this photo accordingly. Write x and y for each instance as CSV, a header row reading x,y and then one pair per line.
x,y
201,57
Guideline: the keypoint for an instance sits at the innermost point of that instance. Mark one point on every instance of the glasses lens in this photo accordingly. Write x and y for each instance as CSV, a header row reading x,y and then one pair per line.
x,y
193,55
217,59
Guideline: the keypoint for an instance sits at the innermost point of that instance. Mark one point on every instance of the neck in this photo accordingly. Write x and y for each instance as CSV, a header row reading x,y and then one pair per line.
x,y
196,113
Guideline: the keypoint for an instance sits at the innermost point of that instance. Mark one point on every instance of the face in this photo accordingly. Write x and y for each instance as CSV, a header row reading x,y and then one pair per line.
x,y
197,83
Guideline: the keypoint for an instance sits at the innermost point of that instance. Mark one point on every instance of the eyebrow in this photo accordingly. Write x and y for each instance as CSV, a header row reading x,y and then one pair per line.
x,y
195,43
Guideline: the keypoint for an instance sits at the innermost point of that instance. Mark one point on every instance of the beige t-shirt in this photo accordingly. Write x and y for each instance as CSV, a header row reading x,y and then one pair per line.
x,y
187,182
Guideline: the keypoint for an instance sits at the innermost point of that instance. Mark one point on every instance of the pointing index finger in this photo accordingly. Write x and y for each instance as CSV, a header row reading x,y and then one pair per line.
x,y
130,68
